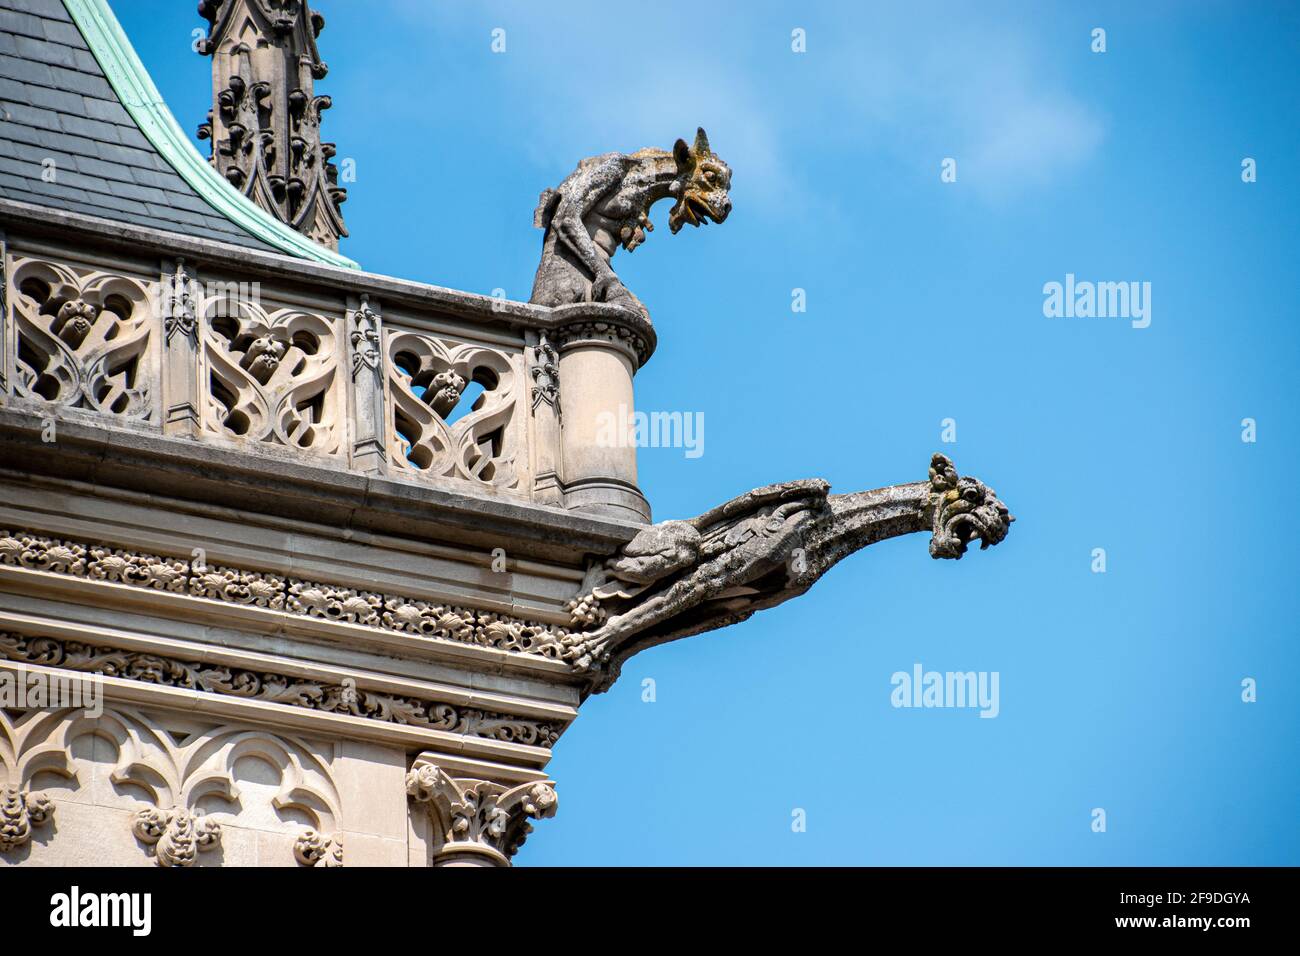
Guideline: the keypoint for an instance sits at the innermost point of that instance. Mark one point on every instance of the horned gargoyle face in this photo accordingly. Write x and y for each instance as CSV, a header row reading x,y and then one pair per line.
x,y
965,509
701,185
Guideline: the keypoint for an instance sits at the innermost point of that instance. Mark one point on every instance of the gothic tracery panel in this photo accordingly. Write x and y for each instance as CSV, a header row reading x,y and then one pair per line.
x,y
430,429
83,339
270,375
183,783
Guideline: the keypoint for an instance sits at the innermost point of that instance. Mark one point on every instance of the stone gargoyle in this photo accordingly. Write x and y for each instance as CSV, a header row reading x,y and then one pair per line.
x,y
605,203
680,578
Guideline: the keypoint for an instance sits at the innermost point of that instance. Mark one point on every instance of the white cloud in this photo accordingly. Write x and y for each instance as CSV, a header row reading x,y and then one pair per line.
x,y
917,83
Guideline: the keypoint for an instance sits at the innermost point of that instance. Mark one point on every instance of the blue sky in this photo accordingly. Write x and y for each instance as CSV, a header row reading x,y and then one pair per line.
x,y
1119,690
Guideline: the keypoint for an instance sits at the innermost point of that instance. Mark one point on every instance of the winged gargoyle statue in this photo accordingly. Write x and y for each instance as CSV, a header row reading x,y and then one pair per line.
x,y
605,203
679,578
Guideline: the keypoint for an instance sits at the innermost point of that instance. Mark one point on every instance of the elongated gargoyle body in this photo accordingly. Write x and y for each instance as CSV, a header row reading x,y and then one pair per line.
x,y
679,578
605,203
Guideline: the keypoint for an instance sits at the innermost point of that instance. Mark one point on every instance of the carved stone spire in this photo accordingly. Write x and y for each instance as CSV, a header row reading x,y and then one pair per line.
x,y
265,119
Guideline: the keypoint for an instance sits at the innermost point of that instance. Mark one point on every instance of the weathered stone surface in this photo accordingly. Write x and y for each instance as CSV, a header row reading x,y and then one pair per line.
x,y
681,578
478,822
240,502
605,203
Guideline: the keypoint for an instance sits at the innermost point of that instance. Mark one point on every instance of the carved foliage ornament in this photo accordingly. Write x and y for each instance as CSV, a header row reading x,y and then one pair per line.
x,y
177,835
480,815
82,339
28,747
19,812
276,592
179,305
316,695
318,850
546,375
365,338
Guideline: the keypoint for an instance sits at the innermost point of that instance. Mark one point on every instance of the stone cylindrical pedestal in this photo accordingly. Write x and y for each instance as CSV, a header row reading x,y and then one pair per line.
x,y
600,348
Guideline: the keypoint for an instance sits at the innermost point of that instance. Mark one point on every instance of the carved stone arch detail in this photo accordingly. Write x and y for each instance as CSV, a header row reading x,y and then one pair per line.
x,y
32,743
177,773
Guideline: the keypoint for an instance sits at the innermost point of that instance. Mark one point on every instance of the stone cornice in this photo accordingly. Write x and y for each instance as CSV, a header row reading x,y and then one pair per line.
x,y
280,485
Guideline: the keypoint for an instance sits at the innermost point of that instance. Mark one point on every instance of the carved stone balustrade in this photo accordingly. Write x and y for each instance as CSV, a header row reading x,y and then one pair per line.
x,y
335,369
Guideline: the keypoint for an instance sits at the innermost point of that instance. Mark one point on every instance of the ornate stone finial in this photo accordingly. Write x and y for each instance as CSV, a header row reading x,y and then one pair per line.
x,y
680,578
265,120
480,819
605,203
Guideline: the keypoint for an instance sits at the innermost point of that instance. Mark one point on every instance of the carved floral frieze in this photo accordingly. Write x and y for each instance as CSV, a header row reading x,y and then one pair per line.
x,y
282,593
322,696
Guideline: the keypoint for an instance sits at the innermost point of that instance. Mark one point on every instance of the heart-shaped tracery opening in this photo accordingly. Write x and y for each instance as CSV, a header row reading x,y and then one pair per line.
x,y
445,389
261,350
450,394
80,324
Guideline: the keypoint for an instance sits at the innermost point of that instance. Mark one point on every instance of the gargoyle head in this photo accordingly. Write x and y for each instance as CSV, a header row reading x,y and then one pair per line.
x,y
964,509
262,357
701,185
444,392
74,321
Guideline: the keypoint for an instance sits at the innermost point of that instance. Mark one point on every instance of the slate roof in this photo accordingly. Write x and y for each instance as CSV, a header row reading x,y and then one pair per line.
x,y
55,103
